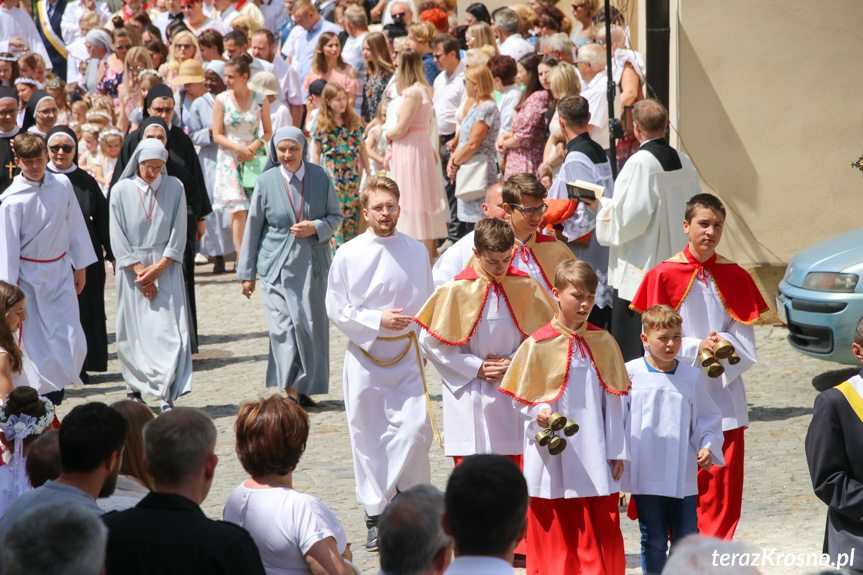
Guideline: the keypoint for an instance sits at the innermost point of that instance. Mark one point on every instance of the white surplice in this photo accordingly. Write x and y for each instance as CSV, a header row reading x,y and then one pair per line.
x,y
671,417
523,260
477,418
578,166
385,405
70,24
643,224
453,261
582,469
16,23
702,312
43,222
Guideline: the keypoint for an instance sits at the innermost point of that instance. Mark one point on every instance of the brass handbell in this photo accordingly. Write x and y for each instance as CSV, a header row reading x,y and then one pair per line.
x,y
706,358
571,428
544,437
733,359
556,422
556,445
714,370
723,349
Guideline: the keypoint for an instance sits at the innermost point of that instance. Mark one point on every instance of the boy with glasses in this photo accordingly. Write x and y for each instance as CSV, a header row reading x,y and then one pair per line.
x,y
44,238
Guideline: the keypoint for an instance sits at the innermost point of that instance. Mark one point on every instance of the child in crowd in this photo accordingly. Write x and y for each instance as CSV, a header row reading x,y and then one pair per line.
x,y
535,253
105,104
575,369
9,70
88,152
15,368
99,118
471,327
266,83
336,139
674,428
718,302
79,112
33,66
110,141
76,62
313,104
56,88
25,87
146,80
376,143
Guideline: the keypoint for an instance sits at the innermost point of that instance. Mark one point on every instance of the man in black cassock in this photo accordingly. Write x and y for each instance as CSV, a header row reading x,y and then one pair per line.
x,y
8,130
834,451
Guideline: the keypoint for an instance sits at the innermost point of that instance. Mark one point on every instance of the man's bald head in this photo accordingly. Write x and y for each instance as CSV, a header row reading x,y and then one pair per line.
x,y
492,206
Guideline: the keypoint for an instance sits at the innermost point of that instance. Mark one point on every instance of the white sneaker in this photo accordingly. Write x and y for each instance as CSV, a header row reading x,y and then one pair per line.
x,y
201,259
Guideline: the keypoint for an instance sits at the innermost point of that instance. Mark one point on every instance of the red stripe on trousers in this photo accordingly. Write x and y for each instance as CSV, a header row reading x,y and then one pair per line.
x,y
720,490
575,536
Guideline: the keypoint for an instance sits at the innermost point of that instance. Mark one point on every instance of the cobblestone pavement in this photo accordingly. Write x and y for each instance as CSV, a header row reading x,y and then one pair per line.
x,y
779,510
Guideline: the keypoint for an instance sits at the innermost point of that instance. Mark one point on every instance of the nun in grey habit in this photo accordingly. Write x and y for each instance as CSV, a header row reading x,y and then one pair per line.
x,y
294,211
148,236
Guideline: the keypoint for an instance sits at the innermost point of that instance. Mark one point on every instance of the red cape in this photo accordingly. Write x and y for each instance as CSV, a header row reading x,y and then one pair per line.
x,y
669,284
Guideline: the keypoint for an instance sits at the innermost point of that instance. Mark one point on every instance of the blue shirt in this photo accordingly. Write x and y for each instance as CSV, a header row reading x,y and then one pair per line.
x,y
652,370
431,68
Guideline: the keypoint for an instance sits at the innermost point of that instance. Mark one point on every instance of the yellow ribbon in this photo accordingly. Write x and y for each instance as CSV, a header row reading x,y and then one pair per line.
x,y
853,398
412,337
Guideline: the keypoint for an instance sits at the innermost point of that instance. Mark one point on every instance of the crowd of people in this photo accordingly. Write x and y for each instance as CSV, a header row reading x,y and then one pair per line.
x,y
332,153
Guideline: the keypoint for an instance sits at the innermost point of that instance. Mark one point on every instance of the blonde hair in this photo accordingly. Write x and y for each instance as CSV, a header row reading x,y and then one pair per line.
x,y
245,21
136,54
103,103
563,81
89,18
103,136
483,78
483,35
152,78
422,32
378,184
410,70
577,273
381,58
660,316
173,64
319,61
591,7
526,16
326,117
480,56
31,60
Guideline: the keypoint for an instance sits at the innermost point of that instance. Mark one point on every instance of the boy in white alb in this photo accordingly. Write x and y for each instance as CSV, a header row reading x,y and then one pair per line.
x,y
674,428
472,325
575,369
718,301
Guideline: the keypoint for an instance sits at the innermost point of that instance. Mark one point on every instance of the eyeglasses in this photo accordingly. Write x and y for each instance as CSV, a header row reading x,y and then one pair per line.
x,y
580,62
122,46
398,16
136,68
438,56
9,113
389,209
48,112
530,212
65,148
183,46
160,111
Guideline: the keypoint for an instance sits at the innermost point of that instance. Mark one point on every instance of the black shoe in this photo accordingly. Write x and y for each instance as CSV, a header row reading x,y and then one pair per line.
x,y
85,377
372,540
135,396
306,401
219,264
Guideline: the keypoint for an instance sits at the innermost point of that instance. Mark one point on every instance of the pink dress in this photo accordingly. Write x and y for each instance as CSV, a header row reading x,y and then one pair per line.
x,y
340,77
528,129
414,169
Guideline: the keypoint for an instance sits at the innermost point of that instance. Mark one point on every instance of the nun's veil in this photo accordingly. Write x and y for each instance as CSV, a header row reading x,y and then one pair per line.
x,y
150,149
286,133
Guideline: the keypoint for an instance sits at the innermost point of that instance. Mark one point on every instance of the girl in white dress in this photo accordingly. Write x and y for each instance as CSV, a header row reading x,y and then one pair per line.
x,y
237,113
15,367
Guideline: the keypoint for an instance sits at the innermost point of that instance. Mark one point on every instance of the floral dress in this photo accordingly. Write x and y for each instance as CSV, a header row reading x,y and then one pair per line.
x,y
340,158
471,211
528,129
373,91
241,127
111,82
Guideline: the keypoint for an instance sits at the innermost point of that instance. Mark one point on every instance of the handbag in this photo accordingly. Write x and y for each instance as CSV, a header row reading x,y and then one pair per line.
x,y
252,169
471,180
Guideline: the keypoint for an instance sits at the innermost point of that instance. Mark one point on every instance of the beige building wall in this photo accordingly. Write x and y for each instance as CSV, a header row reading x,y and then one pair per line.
x,y
767,103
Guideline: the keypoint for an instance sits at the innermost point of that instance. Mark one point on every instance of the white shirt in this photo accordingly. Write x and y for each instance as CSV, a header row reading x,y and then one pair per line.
x,y
250,9
453,261
289,82
449,92
16,23
280,116
596,94
515,46
509,99
285,524
475,565
671,417
163,20
70,23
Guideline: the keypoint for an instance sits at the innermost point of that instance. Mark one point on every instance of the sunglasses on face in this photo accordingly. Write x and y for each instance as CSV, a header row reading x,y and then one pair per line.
x,y
183,46
160,111
122,46
65,148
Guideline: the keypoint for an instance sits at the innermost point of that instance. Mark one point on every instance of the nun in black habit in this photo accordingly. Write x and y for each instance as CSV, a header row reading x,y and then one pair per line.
x,y
63,152
182,164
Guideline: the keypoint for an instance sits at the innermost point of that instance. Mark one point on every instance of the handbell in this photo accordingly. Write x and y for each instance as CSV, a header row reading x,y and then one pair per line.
x,y
714,370
571,428
556,422
544,437
556,445
723,349
733,359
706,358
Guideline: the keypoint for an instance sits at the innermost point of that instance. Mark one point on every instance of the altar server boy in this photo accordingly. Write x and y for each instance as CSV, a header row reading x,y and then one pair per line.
x,y
717,300
575,369
472,325
675,428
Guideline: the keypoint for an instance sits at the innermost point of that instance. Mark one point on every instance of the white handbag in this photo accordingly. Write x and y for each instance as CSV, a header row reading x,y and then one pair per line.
x,y
471,179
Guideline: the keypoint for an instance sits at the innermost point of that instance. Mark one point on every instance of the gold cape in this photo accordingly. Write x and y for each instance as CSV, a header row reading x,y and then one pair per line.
x,y
453,311
547,251
540,369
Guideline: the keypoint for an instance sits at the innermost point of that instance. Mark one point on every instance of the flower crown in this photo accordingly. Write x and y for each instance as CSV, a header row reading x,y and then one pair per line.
x,y
99,114
151,72
22,426
111,132
26,80
9,58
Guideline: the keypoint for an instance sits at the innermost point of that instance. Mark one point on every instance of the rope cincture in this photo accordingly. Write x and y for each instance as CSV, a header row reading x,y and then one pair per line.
x,y
413,342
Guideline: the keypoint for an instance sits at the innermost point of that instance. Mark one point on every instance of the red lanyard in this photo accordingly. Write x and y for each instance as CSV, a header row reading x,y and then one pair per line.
x,y
152,205
297,216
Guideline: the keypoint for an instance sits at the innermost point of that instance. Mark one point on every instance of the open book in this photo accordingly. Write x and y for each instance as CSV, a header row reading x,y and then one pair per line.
x,y
583,190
